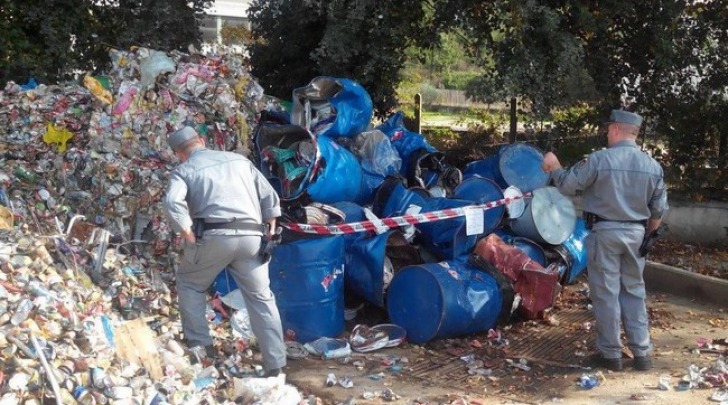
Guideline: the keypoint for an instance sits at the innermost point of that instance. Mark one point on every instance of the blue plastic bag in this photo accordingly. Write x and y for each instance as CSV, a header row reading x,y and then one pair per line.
x,y
378,160
332,107
404,141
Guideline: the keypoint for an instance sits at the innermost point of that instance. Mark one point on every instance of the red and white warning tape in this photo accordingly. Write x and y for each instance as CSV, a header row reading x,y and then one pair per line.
x,y
396,222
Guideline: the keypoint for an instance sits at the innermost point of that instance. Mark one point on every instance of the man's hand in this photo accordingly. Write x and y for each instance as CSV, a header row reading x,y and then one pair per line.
x,y
550,162
652,225
271,228
188,236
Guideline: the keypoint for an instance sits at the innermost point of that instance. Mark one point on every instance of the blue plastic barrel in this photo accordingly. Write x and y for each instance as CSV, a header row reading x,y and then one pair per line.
x,y
531,248
442,300
224,283
480,190
517,165
575,246
365,258
307,278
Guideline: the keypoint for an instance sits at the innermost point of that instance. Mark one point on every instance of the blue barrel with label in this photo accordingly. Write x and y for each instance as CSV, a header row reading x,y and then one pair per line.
x,y
447,238
307,278
443,300
480,190
517,165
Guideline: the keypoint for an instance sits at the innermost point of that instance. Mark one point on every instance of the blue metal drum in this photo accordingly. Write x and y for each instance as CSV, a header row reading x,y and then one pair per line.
x,y
393,198
532,249
517,165
307,278
442,300
576,255
365,267
446,238
480,190
549,217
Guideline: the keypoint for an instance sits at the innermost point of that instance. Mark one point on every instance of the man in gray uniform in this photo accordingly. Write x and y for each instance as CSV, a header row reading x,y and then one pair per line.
x,y
623,193
235,206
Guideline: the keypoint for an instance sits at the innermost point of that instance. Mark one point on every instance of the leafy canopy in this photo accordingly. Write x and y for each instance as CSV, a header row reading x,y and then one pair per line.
x,y
51,39
363,40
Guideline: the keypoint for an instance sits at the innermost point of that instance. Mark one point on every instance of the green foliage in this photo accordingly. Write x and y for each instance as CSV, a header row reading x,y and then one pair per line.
x,y
664,59
235,34
37,43
574,120
459,80
429,94
164,25
363,40
50,39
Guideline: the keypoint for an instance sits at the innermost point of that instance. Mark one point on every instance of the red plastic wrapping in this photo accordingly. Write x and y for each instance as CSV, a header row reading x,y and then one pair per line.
x,y
537,286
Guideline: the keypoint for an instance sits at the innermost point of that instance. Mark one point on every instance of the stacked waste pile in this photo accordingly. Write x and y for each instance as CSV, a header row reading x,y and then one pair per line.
x,y
100,150
86,311
376,215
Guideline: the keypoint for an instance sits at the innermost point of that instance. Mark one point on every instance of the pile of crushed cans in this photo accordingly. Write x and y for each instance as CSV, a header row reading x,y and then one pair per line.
x,y
84,247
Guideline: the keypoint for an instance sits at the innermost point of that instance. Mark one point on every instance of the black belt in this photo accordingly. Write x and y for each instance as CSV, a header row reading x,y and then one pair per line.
x,y
594,218
239,225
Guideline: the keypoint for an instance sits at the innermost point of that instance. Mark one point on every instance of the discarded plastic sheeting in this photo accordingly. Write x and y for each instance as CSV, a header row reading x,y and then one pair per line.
x,y
405,141
332,107
537,286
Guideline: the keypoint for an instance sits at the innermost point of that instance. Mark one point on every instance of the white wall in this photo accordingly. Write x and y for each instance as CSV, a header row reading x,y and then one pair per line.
x,y
229,8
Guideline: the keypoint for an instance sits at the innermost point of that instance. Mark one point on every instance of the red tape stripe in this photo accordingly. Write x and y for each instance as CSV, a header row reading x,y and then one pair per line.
x,y
396,222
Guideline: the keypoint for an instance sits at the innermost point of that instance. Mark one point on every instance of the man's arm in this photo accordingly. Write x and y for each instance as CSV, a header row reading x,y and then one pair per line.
x,y
577,178
270,205
658,205
176,209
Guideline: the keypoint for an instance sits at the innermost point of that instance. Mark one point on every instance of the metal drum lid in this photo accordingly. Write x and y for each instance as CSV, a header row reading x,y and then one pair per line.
x,y
553,215
516,207
520,166
549,217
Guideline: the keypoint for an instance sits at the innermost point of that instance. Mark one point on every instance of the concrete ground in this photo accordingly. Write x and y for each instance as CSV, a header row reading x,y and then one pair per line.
x,y
678,325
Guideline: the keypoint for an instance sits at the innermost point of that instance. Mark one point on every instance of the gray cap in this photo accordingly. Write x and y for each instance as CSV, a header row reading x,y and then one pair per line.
x,y
181,136
625,117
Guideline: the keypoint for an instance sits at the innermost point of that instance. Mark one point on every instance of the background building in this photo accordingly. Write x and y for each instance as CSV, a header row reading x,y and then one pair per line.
x,y
232,12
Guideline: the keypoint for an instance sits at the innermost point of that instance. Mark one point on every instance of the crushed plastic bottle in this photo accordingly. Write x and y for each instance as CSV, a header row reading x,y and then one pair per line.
x,y
664,383
588,381
22,312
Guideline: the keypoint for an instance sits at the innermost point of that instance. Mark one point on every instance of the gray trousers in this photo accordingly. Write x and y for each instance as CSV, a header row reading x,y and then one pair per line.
x,y
617,289
202,263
